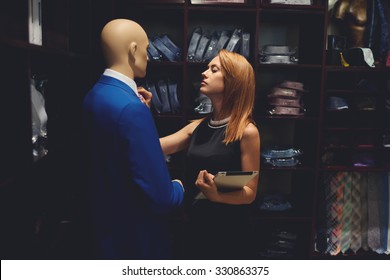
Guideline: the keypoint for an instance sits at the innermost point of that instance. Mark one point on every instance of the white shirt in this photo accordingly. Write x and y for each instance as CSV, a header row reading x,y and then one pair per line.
x,y
123,78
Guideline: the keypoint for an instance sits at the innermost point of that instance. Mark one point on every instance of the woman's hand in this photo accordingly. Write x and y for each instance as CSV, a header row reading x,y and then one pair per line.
x,y
205,182
146,96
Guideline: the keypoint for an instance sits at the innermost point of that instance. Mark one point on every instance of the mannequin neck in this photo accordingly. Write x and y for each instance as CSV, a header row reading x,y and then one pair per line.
x,y
123,69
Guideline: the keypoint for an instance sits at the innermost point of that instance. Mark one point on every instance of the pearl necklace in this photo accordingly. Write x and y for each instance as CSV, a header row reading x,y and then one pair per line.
x,y
220,122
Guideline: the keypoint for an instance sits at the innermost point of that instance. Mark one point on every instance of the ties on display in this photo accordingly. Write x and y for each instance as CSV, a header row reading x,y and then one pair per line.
x,y
364,221
373,212
345,238
357,213
334,203
383,204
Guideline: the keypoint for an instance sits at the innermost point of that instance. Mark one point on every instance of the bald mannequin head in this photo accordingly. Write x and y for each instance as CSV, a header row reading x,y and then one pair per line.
x,y
124,44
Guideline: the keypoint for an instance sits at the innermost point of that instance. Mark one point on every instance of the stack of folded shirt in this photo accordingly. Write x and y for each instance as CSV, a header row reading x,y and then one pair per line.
x,y
162,48
285,99
281,157
272,54
204,45
164,96
275,202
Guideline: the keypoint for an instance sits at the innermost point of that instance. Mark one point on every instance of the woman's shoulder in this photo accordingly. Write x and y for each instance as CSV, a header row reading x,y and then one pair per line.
x,y
251,134
251,130
250,137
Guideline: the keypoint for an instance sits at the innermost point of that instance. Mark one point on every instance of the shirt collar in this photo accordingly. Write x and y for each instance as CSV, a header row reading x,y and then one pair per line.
x,y
122,78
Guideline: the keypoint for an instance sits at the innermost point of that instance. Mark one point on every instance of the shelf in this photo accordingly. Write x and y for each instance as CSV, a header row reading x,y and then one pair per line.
x,y
355,169
279,216
157,2
288,66
295,118
222,8
354,148
354,129
283,8
126,6
360,69
165,64
347,92
265,167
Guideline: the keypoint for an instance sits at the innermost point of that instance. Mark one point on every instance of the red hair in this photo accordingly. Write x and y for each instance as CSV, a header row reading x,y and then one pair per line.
x,y
239,94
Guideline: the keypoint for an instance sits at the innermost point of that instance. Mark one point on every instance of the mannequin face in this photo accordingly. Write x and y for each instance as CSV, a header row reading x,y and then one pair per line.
x,y
141,57
212,82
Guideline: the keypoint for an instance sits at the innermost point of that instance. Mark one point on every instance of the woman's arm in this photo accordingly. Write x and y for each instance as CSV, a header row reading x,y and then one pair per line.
x,y
250,161
179,140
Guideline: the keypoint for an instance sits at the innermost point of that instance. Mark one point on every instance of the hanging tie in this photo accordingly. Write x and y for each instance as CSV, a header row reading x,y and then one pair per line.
x,y
373,232
356,215
345,238
364,212
334,202
383,204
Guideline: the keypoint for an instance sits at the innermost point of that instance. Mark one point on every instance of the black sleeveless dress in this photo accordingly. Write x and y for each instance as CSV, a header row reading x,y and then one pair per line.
x,y
214,230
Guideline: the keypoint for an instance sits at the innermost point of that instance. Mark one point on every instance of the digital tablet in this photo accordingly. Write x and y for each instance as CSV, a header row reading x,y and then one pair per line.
x,y
233,179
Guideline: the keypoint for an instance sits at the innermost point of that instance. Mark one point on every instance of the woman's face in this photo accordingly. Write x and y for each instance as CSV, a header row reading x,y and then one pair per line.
x,y
212,82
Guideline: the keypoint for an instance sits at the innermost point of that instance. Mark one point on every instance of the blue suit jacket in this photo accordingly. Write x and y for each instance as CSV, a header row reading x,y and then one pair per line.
x,y
131,189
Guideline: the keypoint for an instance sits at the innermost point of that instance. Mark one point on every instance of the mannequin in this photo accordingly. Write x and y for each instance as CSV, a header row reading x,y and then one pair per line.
x,y
353,13
130,186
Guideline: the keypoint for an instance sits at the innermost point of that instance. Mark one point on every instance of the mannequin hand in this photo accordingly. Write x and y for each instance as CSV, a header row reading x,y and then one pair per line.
x,y
205,182
146,96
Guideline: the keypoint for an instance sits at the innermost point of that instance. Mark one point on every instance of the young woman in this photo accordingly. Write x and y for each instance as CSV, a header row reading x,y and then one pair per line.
x,y
227,140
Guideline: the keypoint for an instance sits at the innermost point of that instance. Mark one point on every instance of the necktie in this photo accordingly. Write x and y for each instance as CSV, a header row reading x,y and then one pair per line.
x,y
345,237
373,232
383,212
356,215
364,211
334,198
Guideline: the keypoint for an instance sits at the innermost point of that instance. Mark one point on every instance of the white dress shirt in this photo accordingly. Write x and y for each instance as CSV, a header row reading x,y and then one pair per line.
x,y
123,78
